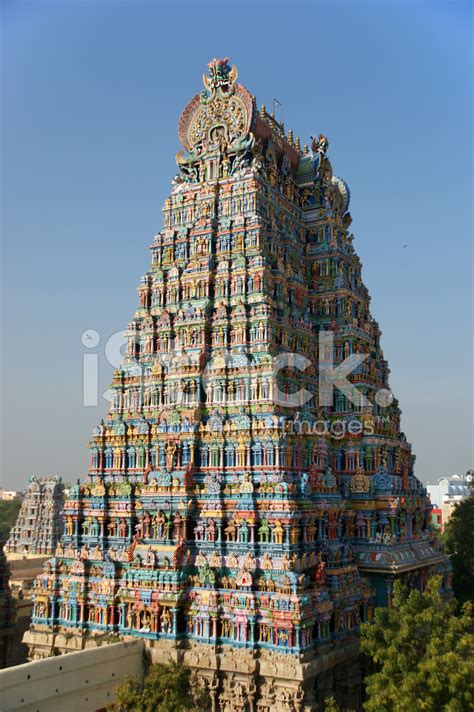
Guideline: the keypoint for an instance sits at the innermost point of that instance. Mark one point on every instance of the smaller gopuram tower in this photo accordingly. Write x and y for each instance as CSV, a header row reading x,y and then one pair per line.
x,y
38,527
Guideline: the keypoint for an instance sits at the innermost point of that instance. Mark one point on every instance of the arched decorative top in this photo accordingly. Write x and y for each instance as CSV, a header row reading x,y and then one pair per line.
x,y
344,191
219,115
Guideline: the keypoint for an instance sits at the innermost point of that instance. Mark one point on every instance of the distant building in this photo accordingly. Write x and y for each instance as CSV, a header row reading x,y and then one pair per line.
x,y
8,494
38,527
446,495
437,519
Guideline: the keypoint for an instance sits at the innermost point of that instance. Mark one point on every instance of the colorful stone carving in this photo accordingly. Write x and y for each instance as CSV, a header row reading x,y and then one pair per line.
x,y
38,527
218,507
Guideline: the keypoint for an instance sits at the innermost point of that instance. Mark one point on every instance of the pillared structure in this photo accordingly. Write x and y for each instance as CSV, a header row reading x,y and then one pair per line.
x,y
235,513
38,527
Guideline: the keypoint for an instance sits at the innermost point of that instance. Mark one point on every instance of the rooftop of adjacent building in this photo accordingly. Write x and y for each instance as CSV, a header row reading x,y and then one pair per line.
x,y
454,480
6,495
23,571
450,488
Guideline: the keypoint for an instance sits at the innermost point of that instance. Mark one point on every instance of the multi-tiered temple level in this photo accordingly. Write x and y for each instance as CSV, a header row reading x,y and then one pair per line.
x,y
38,527
223,515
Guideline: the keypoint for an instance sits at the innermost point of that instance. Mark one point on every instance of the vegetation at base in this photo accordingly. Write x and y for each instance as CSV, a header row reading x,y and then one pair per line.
x,y
166,688
8,514
459,542
330,705
422,653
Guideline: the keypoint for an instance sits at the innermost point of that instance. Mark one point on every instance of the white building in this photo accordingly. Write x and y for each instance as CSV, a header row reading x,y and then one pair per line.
x,y
454,488
448,492
8,494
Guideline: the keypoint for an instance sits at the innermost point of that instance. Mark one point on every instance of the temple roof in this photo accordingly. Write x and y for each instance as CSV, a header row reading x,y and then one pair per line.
x,y
226,112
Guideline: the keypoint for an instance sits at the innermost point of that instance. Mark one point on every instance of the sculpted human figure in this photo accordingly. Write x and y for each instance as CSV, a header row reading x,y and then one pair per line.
x,y
170,449
211,530
243,532
278,532
230,531
320,576
267,561
122,528
165,620
199,531
178,522
264,532
159,525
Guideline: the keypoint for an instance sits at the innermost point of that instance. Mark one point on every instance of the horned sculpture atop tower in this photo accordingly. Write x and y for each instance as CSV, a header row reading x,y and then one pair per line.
x,y
215,127
320,144
221,80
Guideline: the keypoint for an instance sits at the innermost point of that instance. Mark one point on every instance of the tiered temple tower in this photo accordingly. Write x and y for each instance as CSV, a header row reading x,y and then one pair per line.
x,y
234,512
38,527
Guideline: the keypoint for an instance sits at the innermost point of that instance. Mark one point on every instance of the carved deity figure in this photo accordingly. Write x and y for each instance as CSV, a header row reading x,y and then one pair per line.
x,y
278,533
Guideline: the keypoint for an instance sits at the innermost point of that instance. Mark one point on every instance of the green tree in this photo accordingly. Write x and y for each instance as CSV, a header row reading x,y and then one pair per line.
x,y
166,688
459,542
422,654
8,513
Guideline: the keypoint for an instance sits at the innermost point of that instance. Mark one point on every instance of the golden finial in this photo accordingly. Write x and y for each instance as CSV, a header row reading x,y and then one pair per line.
x,y
298,144
305,149
263,111
290,136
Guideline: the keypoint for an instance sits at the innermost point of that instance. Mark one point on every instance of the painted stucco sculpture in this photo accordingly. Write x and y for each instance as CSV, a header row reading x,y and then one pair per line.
x,y
39,526
218,519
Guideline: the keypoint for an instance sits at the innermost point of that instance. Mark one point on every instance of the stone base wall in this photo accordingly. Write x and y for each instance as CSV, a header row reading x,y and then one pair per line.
x,y
84,681
240,679
44,643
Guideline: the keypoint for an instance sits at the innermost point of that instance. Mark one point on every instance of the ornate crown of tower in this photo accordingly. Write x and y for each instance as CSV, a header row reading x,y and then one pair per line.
x,y
221,516
225,110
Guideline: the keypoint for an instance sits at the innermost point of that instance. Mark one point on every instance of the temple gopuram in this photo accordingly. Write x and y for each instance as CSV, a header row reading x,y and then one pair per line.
x,y
38,527
234,516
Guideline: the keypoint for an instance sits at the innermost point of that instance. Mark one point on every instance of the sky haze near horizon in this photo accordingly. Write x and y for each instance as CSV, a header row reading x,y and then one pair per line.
x,y
92,93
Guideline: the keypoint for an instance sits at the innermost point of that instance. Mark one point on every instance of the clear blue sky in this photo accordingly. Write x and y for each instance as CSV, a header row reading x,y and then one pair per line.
x,y
92,94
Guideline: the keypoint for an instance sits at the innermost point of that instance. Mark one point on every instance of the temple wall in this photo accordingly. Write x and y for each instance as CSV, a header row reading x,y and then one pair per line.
x,y
83,681
241,678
